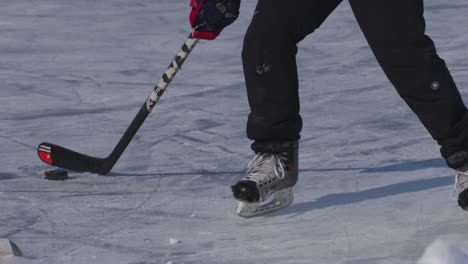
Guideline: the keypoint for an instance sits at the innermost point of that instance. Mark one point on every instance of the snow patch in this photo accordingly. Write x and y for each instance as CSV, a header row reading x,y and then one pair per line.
x,y
8,248
443,252
174,241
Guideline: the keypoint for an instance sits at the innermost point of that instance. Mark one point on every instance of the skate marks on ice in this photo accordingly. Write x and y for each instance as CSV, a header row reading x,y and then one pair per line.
x,y
97,212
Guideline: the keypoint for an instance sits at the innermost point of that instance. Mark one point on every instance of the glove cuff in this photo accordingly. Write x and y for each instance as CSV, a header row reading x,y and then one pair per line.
x,y
205,35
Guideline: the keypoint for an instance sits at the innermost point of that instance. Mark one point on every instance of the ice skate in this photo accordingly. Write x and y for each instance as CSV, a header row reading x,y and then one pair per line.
x,y
459,161
270,176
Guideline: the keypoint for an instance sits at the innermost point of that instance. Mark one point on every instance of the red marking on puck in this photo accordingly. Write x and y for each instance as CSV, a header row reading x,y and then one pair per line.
x,y
45,157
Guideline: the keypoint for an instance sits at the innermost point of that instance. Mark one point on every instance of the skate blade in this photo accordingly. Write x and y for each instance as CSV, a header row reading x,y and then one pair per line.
x,y
281,199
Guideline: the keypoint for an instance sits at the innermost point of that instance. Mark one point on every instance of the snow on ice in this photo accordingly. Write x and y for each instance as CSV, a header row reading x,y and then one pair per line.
x,y
444,252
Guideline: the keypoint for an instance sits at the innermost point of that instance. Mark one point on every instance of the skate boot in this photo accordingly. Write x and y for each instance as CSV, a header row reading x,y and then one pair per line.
x,y
271,174
459,162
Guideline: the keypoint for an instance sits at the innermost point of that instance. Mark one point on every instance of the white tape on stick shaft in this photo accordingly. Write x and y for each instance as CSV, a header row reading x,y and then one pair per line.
x,y
170,72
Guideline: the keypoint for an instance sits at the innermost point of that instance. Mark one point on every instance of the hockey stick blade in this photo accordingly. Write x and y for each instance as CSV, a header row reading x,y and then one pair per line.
x,y
68,159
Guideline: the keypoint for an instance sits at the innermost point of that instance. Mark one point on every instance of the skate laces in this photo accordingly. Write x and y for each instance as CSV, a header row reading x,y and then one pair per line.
x,y
461,182
265,167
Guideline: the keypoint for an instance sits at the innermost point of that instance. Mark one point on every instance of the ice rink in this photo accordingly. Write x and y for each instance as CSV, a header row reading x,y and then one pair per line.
x,y
372,189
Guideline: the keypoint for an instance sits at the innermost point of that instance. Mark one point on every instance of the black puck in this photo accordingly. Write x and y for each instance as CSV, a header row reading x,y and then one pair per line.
x,y
56,175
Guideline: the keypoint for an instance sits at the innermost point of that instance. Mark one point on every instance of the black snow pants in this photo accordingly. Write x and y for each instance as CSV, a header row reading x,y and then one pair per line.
x,y
395,31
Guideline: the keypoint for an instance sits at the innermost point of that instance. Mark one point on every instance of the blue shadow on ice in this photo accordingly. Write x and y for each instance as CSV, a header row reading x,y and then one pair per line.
x,y
370,194
410,166
7,176
405,166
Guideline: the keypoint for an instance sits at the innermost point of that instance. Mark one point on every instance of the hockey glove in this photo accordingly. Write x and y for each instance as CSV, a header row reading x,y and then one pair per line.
x,y
210,17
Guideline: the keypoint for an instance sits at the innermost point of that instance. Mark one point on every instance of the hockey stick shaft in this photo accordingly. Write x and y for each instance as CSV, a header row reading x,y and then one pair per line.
x,y
68,159
153,99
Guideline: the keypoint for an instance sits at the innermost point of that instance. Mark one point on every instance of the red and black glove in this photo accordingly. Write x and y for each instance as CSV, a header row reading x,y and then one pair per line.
x,y
210,17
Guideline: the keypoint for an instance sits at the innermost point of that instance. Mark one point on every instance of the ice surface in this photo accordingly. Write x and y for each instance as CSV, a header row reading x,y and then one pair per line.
x,y
372,187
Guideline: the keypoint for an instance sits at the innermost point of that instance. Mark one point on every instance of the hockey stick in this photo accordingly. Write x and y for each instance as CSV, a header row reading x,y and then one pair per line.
x,y
68,159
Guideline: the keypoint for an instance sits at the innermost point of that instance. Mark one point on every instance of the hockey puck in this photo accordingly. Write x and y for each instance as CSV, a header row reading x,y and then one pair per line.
x,y
56,175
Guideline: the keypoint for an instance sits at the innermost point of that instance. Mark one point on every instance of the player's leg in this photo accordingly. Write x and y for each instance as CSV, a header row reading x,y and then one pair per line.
x,y
395,30
269,59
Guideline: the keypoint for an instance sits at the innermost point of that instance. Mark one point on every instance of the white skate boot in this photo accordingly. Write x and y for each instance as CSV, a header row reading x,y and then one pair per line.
x,y
270,176
459,162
